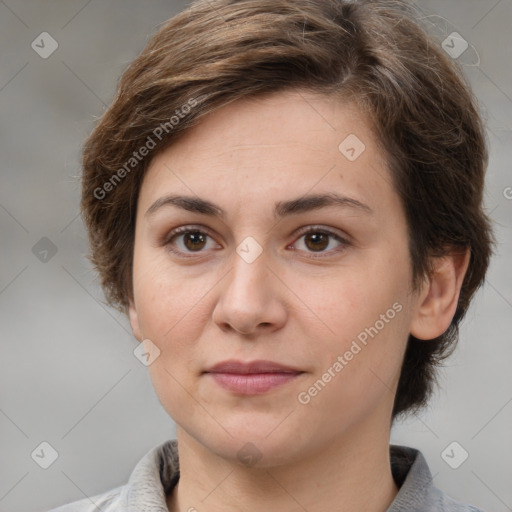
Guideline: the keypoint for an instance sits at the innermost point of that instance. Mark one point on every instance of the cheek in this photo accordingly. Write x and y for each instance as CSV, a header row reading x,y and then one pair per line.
x,y
162,295
363,317
357,371
347,301
172,315
173,310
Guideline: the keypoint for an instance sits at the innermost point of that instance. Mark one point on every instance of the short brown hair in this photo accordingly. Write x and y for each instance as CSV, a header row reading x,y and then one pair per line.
x,y
371,51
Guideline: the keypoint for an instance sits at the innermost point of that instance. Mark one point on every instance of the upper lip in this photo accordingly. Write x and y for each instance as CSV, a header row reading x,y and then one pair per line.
x,y
259,366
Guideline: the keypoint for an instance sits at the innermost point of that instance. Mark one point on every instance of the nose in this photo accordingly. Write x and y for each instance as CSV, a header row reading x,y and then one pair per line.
x,y
251,298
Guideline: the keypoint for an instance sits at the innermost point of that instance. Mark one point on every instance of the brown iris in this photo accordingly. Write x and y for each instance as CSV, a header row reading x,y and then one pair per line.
x,y
319,240
196,239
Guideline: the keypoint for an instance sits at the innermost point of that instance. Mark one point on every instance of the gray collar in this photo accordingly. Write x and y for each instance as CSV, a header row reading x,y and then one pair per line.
x,y
158,472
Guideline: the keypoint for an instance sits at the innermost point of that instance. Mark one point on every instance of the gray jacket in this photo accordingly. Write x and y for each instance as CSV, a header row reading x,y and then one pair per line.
x,y
158,471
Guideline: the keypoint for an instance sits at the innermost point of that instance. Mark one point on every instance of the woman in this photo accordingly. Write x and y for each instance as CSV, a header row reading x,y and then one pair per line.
x,y
285,197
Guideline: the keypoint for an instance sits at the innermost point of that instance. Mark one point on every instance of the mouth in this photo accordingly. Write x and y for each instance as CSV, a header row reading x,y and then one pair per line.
x,y
251,378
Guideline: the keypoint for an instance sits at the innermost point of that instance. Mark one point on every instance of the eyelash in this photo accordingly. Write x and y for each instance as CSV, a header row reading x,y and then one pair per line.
x,y
313,229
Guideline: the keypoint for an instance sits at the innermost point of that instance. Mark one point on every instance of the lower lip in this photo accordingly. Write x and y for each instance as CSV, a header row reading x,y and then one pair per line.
x,y
252,383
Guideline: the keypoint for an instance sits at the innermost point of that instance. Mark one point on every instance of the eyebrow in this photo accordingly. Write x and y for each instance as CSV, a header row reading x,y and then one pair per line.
x,y
281,208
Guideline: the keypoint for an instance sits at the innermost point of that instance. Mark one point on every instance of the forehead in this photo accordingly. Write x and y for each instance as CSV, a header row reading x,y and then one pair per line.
x,y
315,121
292,141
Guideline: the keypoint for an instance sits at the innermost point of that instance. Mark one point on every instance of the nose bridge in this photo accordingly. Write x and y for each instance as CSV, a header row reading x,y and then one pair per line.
x,y
249,267
247,299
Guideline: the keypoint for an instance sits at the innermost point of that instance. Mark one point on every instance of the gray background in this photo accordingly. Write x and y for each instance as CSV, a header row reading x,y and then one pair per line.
x,y
68,375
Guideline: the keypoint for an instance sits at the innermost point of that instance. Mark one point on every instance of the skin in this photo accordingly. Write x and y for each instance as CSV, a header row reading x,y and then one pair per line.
x,y
298,304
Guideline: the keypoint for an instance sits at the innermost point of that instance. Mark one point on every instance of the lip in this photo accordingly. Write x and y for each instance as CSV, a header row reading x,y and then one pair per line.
x,y
252,378
257,366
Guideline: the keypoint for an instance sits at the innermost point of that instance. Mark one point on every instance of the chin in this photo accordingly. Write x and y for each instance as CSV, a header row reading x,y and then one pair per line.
x,y
254,443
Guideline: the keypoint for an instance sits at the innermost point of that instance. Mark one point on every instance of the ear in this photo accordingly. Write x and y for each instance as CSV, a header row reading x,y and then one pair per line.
x,y
438,298
134,320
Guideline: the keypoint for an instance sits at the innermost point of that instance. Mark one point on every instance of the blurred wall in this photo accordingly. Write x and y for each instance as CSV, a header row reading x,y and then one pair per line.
x,y
68,375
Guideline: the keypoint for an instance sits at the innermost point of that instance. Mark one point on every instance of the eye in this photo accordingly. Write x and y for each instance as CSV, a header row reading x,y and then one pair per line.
x,y
317,240
188,240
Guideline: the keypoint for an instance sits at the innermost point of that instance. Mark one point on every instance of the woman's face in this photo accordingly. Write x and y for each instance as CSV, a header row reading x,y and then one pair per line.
x,y
266,268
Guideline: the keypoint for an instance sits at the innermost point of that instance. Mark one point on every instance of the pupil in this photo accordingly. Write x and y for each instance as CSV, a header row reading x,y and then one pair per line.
x,y
317,237
196,238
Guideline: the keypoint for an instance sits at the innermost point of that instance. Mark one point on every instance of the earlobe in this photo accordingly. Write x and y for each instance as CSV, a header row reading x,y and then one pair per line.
x,y
437,301
134,320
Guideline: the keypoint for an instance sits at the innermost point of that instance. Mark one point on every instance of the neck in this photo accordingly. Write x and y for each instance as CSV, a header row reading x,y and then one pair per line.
x,y
351,473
